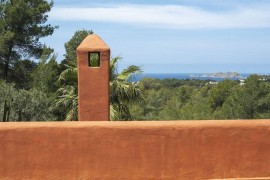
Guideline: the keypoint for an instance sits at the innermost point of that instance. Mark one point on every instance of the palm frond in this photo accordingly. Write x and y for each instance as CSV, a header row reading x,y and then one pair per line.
x,y
121,112
126,93
67,102
126,73
113,113
69,75
113,67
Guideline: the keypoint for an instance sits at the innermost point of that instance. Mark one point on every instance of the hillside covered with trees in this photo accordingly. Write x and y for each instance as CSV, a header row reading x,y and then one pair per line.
x,y
172,99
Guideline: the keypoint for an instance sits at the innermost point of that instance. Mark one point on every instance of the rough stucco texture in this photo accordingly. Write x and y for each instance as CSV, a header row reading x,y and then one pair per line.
x,y
93,83
135,150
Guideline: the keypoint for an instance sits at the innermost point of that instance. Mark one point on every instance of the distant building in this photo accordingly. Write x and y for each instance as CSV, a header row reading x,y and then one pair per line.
x,y
212,83
242,82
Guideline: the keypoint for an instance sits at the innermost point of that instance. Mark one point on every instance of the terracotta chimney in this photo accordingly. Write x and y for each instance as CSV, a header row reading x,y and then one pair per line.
x,y
93,58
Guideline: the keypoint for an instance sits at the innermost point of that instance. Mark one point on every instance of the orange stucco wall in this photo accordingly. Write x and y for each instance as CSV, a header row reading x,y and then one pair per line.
x,y
135,150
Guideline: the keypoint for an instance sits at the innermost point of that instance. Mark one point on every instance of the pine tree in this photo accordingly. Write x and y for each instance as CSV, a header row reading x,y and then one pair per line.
x,y
22,24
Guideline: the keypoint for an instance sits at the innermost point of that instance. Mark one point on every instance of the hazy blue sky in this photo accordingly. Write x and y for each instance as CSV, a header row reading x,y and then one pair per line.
x,y
172,35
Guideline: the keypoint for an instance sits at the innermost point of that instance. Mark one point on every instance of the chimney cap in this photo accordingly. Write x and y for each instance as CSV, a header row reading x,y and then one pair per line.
x,y
93,43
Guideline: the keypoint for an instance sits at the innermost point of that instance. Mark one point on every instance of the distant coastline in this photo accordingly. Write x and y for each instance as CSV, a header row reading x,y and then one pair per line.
x,y
219,76
223,75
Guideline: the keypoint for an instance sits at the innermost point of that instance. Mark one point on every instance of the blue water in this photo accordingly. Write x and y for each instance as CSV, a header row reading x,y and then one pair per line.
x,y
138,77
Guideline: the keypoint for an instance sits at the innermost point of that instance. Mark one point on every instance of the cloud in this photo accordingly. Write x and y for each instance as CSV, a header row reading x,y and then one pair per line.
x,y
169,16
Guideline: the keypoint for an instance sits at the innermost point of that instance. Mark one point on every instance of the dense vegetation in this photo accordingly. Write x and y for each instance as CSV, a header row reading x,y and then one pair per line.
x,y
171,99
35,87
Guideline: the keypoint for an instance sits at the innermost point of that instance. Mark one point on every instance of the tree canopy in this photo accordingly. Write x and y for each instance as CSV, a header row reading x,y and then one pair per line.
x,y
172,99
22,24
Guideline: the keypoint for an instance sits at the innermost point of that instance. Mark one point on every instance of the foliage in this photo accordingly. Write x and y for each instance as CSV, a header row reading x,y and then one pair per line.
x,y
172,99
23,105
22,24
122,92
67,102
21,72
44,76
70,57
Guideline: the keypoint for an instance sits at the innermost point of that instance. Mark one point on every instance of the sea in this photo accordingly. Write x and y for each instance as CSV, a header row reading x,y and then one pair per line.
x,y
200,76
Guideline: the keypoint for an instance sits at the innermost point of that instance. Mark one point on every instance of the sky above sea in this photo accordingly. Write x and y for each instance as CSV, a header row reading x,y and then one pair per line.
x,y
172,36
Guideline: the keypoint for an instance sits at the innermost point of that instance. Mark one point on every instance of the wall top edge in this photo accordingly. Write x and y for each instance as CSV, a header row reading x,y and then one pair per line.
x,y
139,124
